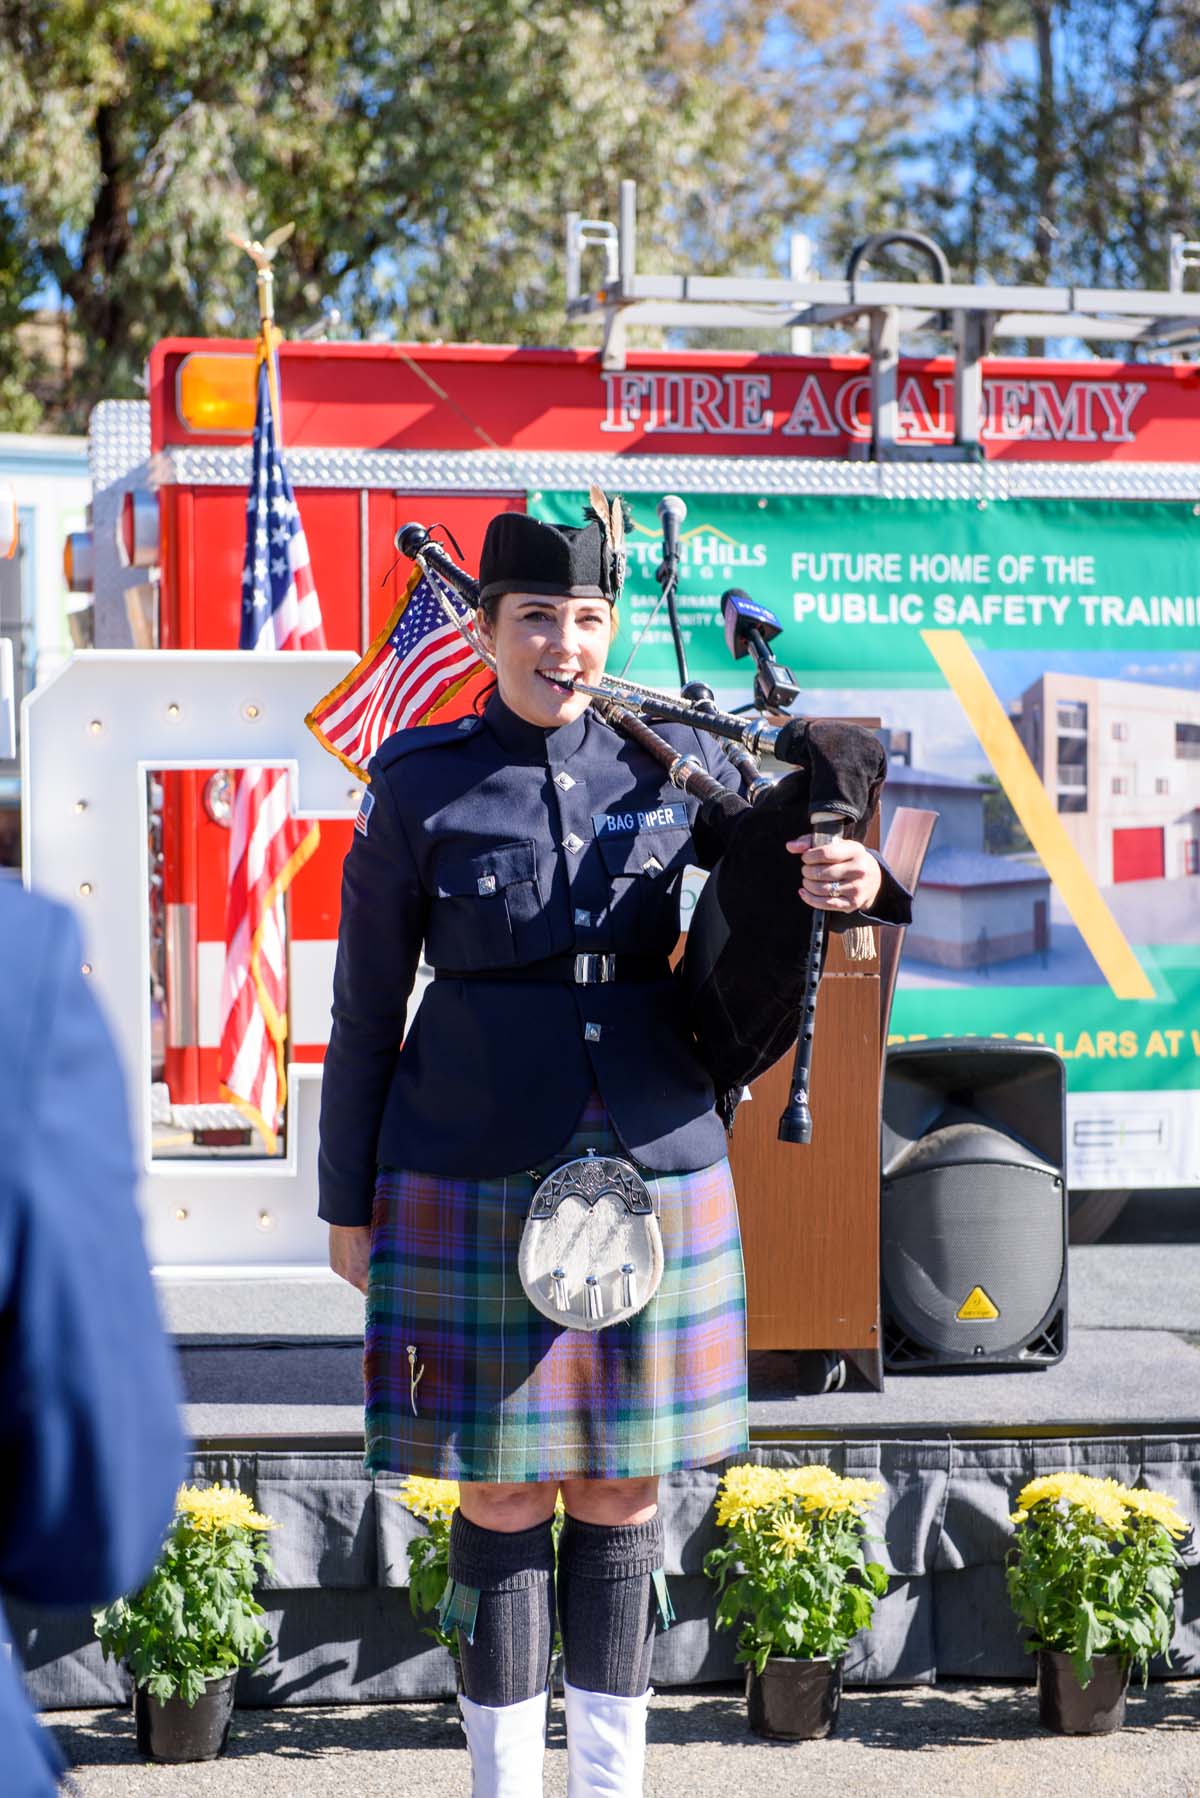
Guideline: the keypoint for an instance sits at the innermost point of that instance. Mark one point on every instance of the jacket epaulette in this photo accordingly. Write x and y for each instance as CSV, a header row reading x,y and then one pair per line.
x,y
426,736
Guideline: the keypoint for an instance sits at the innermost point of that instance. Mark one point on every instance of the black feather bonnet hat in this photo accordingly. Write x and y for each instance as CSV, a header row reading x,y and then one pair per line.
x,y
586,561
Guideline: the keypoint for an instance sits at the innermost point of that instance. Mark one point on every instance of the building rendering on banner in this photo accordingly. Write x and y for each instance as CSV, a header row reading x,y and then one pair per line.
x,y
973,910
1122,759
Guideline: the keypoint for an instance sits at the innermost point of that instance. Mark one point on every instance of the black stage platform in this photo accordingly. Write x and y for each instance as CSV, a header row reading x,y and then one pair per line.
x,y
272,1369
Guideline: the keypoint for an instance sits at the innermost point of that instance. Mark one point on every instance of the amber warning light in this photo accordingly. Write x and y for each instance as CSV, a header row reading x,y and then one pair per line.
x,y
215,393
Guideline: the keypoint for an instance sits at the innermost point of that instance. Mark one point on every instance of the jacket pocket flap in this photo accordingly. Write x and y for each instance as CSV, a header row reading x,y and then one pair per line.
x,y
485,872
645,852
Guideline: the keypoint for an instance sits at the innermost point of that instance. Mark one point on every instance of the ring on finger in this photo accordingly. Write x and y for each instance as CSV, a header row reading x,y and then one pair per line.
x,y
835,887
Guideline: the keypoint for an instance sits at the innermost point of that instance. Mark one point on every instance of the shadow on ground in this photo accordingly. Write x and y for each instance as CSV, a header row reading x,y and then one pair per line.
x,y
919,1719
106,1738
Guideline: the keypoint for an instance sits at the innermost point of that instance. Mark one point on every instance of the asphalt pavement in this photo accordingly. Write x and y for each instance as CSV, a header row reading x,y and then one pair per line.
x,y
952,1741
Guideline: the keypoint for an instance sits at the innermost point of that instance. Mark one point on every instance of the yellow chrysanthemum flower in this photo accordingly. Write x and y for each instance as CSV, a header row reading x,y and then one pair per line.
x,y
735,1510
211,1508
1105,1499
754,1488
820,1491
790,1533
430,1500
803,1481
1157,1506
747,1491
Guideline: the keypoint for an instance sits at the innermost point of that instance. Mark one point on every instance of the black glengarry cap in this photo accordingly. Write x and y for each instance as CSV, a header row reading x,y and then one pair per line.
x,y
525,555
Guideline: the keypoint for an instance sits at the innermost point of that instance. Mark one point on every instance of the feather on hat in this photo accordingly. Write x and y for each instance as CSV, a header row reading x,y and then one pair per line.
x,y
612,515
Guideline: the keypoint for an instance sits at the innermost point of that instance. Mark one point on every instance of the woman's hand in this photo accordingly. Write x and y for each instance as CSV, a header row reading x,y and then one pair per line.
x,y
350,1252
838,876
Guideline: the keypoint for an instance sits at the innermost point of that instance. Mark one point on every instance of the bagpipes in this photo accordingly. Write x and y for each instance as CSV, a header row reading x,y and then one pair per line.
x,y
755,949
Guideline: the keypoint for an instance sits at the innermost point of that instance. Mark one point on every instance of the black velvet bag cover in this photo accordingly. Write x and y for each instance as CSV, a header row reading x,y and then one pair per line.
x,y
743,969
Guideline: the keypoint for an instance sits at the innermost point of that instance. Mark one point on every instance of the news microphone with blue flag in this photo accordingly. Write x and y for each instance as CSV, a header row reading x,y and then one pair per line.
x,y
749,627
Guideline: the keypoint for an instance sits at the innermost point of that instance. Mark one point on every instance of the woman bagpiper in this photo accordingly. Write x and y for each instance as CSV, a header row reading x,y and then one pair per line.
x,y
548,1081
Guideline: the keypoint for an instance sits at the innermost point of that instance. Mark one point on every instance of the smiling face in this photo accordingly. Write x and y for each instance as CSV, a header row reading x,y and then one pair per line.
x,y
540,642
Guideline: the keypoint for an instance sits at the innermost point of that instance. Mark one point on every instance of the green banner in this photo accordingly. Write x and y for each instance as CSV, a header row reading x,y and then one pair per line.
x,y
1060,901
856,580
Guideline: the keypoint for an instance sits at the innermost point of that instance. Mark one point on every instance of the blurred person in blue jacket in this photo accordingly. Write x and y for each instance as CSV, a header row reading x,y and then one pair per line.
x,y
90,1440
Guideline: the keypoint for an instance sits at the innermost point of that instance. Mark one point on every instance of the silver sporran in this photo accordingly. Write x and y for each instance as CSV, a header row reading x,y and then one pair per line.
x,y
591,1251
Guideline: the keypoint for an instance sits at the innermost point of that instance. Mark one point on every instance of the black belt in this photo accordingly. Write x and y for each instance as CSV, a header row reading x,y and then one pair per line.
x,y
575,970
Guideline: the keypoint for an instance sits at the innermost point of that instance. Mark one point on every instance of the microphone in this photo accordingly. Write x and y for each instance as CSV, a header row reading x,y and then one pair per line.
x,y
413,540
749,627
672,511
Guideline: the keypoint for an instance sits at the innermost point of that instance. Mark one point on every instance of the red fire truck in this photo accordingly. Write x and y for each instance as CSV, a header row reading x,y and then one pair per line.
x,y
377,434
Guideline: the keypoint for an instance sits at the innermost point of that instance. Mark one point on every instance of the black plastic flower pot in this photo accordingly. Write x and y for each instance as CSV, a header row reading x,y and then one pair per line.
x,y
1074,1710
794,1701
170,1730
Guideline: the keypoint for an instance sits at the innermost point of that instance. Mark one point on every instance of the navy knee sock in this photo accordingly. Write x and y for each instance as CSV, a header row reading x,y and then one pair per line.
x,y
606,1604
505,1653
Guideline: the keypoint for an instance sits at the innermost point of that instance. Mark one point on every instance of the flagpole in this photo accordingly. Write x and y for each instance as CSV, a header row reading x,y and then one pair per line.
x,y
284,588
262,255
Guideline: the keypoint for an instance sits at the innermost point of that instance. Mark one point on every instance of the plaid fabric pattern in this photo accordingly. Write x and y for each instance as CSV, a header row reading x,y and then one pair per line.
x,y
508,1395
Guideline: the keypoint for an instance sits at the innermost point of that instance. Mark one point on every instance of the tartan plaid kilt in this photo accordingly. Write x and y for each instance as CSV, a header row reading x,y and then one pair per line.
x,y
508,1395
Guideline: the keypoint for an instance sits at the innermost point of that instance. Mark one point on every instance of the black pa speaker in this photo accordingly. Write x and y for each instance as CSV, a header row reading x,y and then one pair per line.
x,y
973,1206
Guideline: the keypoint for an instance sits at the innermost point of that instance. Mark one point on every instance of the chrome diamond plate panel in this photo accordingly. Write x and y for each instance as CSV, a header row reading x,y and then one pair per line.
x,y
522,471
118,440
119,458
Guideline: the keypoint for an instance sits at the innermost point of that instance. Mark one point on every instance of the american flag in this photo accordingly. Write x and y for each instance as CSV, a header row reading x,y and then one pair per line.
x,y
267,846
418,666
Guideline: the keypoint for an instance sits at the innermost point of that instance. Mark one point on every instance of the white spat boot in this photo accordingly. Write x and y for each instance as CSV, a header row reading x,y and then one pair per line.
x,y
507,1744
606,1744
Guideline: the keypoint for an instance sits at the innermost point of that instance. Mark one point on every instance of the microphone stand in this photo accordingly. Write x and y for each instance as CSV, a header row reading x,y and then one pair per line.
x,y
667,576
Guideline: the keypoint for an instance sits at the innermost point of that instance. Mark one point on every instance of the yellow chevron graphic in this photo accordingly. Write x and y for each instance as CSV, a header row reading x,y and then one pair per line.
x,y
1034,807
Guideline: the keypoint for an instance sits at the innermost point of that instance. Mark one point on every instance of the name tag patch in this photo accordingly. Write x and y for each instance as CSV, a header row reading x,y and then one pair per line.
x,y
670,816
364,813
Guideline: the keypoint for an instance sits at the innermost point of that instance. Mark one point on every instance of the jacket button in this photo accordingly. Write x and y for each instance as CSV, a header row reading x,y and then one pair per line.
x,y
573,843
591,1033
563,781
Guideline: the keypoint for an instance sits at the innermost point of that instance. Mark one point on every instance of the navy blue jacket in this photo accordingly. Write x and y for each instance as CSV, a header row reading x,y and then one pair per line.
x,y
90,1443
497,844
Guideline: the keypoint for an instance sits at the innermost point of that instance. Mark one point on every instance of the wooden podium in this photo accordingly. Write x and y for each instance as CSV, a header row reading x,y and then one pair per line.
x,y
810,1215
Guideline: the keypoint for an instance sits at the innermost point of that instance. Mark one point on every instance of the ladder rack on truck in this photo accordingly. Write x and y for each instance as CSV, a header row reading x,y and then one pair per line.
x,y
974,316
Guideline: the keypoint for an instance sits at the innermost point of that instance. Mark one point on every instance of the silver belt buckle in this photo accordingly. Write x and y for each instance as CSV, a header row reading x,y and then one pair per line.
x,y
594,970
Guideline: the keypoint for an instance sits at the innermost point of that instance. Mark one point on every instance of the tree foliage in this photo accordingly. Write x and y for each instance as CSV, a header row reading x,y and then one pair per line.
x,y
1074,149
428,149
